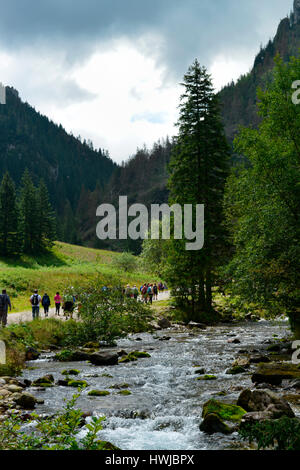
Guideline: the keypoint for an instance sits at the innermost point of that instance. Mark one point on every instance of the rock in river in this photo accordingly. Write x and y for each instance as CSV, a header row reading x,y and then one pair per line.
x,y
105,359
275,373
264,404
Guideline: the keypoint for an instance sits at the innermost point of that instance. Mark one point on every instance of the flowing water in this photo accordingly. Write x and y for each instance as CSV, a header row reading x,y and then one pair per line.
x,y
164,410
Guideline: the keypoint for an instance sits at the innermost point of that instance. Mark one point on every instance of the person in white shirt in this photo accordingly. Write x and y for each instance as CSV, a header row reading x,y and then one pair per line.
x,y
35,301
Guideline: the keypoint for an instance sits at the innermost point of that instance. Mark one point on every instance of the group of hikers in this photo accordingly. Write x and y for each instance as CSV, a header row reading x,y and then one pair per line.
x,y
67,303
148,292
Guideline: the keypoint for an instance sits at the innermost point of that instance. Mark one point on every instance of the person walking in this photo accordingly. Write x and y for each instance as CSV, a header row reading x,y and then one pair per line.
x,y
144,293
150,293
57,301
35,301
135,292
155,291
69,305
46,304
4,304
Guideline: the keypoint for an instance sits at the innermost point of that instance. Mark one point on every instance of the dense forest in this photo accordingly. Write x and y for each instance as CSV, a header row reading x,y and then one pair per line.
x,y
68,166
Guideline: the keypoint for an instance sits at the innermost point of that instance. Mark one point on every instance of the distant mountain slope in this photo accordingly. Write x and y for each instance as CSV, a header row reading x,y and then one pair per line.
x,y
30,140
239,104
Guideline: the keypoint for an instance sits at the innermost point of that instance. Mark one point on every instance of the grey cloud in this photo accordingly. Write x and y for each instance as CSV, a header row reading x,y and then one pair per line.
x,y
188,28
66,92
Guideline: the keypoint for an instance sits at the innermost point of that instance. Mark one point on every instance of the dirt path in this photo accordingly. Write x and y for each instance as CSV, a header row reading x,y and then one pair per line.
x,y
21,317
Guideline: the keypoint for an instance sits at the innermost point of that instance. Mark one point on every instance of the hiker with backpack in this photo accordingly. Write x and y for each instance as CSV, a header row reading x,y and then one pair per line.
x,y
4,304
135,292
35,301
144,293
46,304
69,305
150,293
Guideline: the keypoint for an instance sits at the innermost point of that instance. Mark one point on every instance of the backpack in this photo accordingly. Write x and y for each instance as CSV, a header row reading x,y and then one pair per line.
x,y
35,300
3,301
46,300
149,290
144,290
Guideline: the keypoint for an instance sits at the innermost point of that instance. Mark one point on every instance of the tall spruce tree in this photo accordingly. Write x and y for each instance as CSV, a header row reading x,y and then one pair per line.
x,y
9,230
198,169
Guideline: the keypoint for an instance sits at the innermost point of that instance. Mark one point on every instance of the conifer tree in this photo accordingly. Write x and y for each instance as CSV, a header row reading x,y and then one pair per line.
x,y
9,236
29,214
47,222
198,169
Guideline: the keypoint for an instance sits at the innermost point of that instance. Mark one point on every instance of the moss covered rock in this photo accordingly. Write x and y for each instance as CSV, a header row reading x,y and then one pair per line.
x,y
274,373
71,372
134,356
124,392
120,386
98,393
236,370
225,411
77,383
46,381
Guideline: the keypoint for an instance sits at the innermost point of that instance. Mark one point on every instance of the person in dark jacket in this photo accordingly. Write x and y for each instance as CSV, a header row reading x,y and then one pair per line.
x,y
4,304
46,304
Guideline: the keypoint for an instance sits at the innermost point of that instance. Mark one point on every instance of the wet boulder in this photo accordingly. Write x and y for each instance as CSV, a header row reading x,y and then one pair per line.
x,y
257,359
275,373
31,354
241,362
266,402
46,381
234,341
164,323
26,401
236,370
225,411
105,359
213,424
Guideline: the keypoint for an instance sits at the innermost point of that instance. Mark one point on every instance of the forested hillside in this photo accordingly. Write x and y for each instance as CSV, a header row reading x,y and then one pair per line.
x,y
239,99
31,141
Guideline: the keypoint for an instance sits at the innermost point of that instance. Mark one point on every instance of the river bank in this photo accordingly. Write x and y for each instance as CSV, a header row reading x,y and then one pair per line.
x,y
157,402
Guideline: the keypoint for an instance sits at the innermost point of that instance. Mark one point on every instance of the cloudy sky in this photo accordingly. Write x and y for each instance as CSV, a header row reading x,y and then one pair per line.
x,y
109,69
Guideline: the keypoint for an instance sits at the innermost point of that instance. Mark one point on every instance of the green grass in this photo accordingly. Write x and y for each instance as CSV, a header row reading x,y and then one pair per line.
x,y
63,266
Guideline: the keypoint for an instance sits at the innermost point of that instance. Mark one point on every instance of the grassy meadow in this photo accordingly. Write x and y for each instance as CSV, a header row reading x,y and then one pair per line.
x,y
63,266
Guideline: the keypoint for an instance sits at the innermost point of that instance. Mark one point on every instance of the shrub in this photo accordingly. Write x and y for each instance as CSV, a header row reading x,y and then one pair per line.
x,y
280,434
58,433
126,262
106,314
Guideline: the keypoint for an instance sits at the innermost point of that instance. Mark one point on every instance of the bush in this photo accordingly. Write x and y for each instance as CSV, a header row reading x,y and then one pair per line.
x,y
58,433
106,314
280,434
126,262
